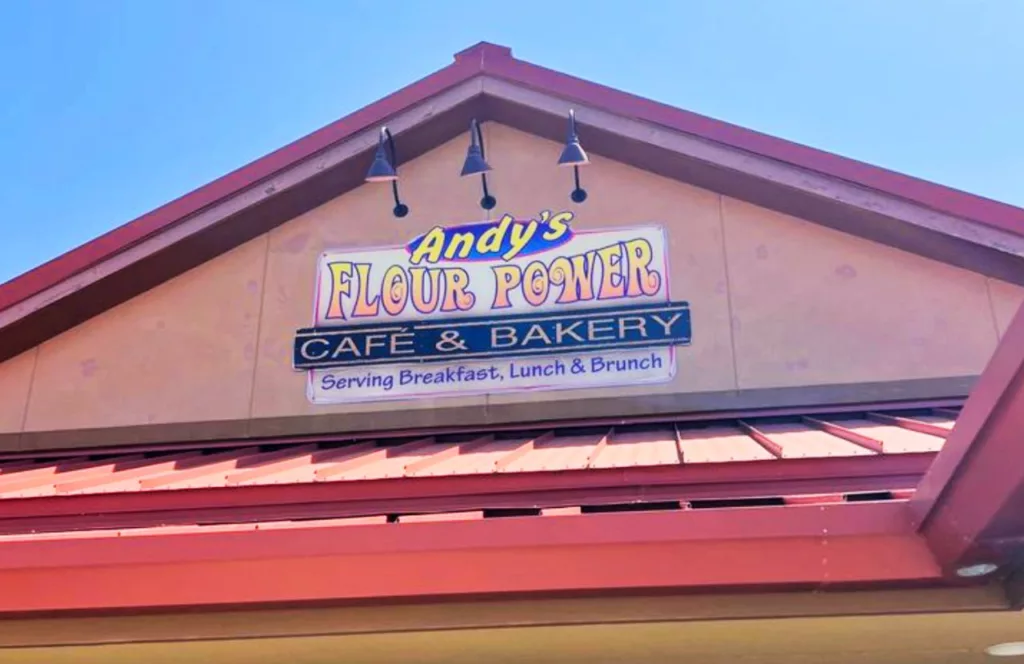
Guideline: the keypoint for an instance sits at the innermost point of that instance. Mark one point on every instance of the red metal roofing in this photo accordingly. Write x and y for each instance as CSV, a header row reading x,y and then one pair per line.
x,y
548,451
674,465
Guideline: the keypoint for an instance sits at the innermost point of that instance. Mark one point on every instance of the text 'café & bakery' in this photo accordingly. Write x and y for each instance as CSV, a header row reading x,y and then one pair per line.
x,y
512,365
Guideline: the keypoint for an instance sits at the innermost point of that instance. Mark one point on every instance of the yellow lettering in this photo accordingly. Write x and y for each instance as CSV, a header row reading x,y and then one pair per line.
x,y
430,248
341,283
421,301
521,236
491,240
364,307
611,259
395,290
536,283
506,278
456,297
574,275
460,245
558,226
641,280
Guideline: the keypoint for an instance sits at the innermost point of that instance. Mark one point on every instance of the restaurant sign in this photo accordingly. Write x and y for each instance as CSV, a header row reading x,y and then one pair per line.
x,y
492,307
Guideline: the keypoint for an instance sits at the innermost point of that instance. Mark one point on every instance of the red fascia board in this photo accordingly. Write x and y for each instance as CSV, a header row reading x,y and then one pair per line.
x,y
783,546
659,527
929,194
977,479
498,62
127,235
466,492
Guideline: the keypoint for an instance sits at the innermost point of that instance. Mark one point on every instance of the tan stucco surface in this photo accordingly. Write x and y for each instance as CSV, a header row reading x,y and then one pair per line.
x,y
15,382
1006,300
812,305
776,302
183,351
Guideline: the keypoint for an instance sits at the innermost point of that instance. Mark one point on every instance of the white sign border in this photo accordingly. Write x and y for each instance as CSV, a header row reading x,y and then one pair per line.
x,y
448,394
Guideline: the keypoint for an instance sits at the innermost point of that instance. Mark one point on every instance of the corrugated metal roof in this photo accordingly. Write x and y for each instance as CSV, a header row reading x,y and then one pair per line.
x,y
750,440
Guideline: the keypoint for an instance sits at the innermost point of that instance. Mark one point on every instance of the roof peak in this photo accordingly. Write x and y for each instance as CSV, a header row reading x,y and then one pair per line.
x,y
81,283
484,51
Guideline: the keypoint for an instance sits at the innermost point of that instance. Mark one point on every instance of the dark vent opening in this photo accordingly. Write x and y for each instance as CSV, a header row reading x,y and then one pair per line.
x,y
736,502
631,507
868,497
501,513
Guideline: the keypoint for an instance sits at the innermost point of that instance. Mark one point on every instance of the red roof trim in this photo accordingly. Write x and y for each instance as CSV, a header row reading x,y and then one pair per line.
x,y
932,195
970,504
676,465
497,61
119,239
753,547
342,499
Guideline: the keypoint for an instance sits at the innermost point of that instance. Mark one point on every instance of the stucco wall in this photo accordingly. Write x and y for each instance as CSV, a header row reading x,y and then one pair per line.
x,y
776,302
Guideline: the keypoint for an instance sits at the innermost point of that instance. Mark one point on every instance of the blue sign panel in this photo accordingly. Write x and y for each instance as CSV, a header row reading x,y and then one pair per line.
x,y
627,327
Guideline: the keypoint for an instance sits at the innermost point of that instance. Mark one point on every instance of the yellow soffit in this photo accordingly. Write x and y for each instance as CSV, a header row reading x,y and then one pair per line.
x,y
951,638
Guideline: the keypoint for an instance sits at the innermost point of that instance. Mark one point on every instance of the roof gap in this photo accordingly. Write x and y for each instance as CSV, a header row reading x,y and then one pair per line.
x,y
868,497
632,507
503,512
737,502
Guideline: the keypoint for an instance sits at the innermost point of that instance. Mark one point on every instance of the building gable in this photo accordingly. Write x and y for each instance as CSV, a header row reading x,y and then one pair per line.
x,y
779,305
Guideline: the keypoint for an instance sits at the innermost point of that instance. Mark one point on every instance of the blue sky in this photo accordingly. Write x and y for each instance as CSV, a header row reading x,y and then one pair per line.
x,y
109,108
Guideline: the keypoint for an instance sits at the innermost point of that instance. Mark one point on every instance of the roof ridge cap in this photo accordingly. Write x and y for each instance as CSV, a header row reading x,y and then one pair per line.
x,y
484,52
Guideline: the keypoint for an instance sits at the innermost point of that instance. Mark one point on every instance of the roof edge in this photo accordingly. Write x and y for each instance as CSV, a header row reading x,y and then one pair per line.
x,y
127,235
485,58
929,194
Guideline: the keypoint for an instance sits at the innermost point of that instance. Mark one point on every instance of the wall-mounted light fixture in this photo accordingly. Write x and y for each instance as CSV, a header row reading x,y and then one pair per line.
x,y
476,163
383,169
573,155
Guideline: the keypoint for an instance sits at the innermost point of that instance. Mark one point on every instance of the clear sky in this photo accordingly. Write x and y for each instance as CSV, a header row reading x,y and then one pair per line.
x,y
110,108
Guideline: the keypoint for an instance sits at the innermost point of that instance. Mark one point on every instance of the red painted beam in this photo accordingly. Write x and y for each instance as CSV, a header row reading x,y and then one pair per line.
x,y
468,492
974,492
821,546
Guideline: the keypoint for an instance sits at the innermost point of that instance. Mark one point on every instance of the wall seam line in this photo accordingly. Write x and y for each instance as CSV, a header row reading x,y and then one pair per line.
x,y
728,295
259,332
28,396
992,309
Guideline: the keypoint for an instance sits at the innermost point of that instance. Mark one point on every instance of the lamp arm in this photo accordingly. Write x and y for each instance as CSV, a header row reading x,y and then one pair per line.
x,y
480,139
394,163
483,155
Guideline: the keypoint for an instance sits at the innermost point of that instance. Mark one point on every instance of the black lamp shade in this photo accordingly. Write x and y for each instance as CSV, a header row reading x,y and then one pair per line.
x,y
381,170
474,164
573,154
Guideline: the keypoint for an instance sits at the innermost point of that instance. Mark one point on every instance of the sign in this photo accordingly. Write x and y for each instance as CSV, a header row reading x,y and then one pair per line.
x,y
493,306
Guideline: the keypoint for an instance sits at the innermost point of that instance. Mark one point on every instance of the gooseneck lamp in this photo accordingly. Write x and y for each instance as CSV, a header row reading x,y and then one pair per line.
x,y
476,163
573,155
383,169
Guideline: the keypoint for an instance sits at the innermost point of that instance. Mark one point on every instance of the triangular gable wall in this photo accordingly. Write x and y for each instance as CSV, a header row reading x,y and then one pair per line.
x,y
785,312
